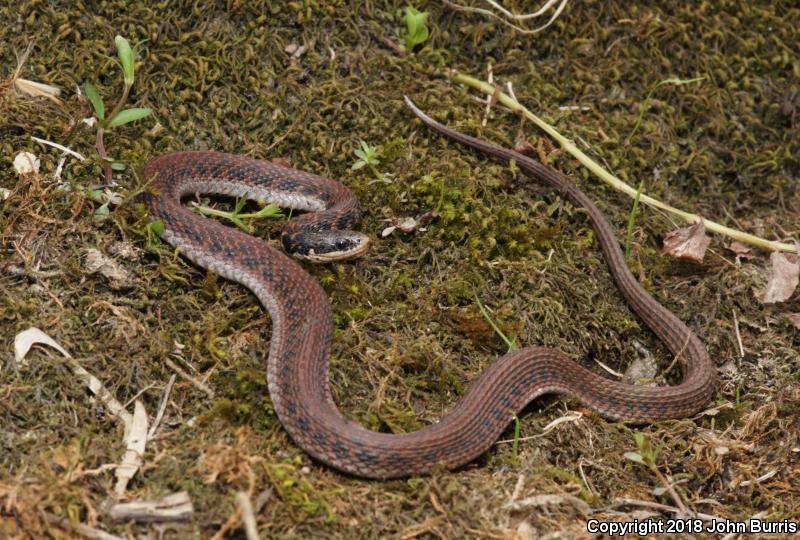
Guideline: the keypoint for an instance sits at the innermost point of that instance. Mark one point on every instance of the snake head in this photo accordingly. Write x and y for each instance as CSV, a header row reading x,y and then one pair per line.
x,y
325,246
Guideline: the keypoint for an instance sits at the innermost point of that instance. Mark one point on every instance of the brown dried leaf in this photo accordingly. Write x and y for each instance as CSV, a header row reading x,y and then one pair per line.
x,y
407,224
795,319
742,251
689,243
783,279
97,262
524,147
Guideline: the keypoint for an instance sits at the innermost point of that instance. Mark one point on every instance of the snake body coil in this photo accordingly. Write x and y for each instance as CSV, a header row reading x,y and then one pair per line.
x,y
297,370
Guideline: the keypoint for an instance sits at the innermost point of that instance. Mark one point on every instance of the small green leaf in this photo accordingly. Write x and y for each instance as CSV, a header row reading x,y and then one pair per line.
x,y
95,100
101,213
240,202
268,211
117,166
157,227
128,115
363,155
634,456
639,437
417,32
358,165
95,195
125,54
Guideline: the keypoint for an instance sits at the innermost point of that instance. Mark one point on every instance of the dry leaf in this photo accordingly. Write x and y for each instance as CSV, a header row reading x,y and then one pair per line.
x,y
783,279
26,163
738,248
407,224
135,441
689,243
119,278
37,89
524,147
30,337
795,319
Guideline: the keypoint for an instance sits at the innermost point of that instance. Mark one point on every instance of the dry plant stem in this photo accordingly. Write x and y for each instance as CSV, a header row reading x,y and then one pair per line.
x,y
101,151
612,180
84,530
671,490
511,16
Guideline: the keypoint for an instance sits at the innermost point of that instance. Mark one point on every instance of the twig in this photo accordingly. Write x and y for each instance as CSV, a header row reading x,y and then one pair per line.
x,y
248,518
63,148
573,417
162,407
663,507
139,393
612,180
738,334
519,29
677,356
80,528
189,378
608,369
228,525
173,507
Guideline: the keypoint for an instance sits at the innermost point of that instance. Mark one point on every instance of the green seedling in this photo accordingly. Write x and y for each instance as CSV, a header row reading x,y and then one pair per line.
x,y
154,230
367,157
416,30
118,116
237,218
647,455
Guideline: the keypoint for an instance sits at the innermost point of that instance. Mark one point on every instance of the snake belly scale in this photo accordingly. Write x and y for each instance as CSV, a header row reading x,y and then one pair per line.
x,y
297,370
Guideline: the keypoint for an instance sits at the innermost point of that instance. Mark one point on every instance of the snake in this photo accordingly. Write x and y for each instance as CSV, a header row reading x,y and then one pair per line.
x,y
301,314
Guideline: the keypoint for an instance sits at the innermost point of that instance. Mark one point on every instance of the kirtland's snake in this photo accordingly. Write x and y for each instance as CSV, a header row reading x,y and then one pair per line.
x,y
297,370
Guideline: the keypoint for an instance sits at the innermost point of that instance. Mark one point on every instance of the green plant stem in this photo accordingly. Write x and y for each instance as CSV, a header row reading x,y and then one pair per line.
x,y
646,103
117,106
632,219
101,128
609,178
510,343
375,173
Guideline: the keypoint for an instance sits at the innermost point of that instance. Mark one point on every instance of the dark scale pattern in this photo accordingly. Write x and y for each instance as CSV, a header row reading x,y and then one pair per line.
x,y
297,369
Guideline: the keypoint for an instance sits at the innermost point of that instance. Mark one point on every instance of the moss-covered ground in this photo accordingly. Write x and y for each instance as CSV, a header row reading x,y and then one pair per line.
x,y
409,337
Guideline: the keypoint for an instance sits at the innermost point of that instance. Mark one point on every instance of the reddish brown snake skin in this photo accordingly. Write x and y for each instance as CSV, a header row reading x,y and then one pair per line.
x,y
297,370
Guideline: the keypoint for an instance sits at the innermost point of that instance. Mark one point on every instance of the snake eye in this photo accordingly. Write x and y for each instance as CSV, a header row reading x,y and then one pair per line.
x,y
342,244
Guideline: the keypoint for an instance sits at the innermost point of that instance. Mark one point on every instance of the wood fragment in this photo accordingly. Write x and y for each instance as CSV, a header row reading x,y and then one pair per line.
x,y
135,442
174,507
83,530
162,407
189,378
248,517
